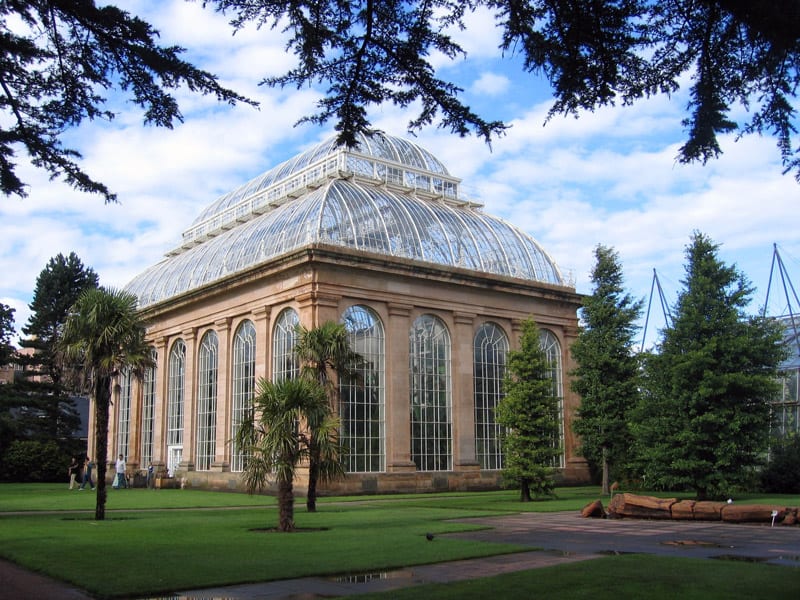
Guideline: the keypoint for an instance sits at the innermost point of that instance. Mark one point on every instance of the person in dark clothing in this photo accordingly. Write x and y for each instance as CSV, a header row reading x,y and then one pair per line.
x,y
88,465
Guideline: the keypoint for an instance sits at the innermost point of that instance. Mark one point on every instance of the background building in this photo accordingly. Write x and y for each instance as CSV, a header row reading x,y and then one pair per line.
x,y
432,289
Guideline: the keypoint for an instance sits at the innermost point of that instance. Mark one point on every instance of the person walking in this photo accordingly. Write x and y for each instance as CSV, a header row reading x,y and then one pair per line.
x,y
120,481
73,470
151,476
88,465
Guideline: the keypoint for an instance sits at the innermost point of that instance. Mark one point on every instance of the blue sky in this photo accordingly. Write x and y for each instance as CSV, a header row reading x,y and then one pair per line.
x,y
609,177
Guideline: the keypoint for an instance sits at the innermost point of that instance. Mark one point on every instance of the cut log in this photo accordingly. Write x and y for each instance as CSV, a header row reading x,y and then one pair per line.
x,y
791,517
643,507
708,511
593,509
683,510
752,513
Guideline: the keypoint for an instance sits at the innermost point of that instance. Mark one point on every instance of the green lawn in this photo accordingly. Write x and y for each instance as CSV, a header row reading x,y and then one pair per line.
x,y
621,578
147,547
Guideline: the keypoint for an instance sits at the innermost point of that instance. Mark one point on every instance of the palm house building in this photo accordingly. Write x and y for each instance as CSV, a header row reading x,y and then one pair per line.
x,y
432,290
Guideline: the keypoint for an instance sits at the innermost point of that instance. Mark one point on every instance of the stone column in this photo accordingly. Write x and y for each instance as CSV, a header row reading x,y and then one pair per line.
x,y
263,354
223,416
160,406
189,401
463,393
398,407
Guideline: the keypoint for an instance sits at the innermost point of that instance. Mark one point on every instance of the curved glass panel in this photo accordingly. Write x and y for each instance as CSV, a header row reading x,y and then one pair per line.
x,y
362,400
431,395
361,214
489,364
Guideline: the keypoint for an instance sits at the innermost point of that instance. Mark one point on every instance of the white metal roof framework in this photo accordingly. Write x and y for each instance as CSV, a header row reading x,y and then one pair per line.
x,y
385,196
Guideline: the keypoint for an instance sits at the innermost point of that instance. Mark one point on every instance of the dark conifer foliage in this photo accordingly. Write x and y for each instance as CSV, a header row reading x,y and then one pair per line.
x,y
733,52
59,59
704,422
529,412
607,375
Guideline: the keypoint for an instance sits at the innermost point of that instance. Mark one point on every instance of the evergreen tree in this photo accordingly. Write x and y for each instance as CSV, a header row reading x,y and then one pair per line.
x,y
529,413
607,375
58,286
8,424
7,349
704,423
47,381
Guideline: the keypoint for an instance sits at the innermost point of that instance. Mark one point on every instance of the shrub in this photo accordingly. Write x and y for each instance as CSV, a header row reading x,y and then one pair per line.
x,y
34,461
782,473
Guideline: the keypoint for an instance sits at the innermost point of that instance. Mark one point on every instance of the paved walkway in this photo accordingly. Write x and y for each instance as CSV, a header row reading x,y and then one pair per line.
x,y
555,538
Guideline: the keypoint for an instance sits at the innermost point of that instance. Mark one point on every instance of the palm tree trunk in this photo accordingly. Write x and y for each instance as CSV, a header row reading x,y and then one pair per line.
x,y
285,505
102,397
313,477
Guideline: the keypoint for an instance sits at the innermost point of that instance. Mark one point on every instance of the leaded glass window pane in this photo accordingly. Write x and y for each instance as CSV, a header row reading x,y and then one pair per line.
x,y
430,390
489,356
148,409
244,378
284,338
362,406
124,413
175,393
207,401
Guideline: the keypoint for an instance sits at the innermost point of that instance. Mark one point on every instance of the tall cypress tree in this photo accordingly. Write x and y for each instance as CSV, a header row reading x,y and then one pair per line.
x,y
704,424
607,375
529,413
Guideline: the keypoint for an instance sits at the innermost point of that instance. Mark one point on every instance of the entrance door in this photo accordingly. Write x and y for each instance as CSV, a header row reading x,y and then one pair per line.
x,y
174,457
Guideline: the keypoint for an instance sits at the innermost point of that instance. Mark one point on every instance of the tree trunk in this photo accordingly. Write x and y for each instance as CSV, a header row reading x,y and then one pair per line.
x,y
285,505
313,477
524,492
102,397
606,489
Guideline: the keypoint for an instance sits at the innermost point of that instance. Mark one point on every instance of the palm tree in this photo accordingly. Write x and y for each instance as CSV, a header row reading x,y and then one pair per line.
x,y
325,350
105,333
276,444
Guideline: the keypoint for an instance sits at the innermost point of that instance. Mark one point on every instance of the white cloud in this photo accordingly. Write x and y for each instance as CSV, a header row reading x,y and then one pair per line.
x,y
491,84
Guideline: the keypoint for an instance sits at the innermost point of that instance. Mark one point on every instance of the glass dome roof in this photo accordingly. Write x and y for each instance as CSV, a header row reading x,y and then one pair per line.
x,y
387,196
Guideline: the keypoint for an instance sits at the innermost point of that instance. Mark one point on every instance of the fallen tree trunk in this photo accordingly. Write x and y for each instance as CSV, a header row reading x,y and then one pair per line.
x,y
753,513
643,507
650,507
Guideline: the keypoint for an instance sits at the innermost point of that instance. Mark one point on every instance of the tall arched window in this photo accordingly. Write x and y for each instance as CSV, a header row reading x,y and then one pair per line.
x,y
489,363
430,390
243,384
362,406
284,338
148,409
552,349
207,401
175,392
124,413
